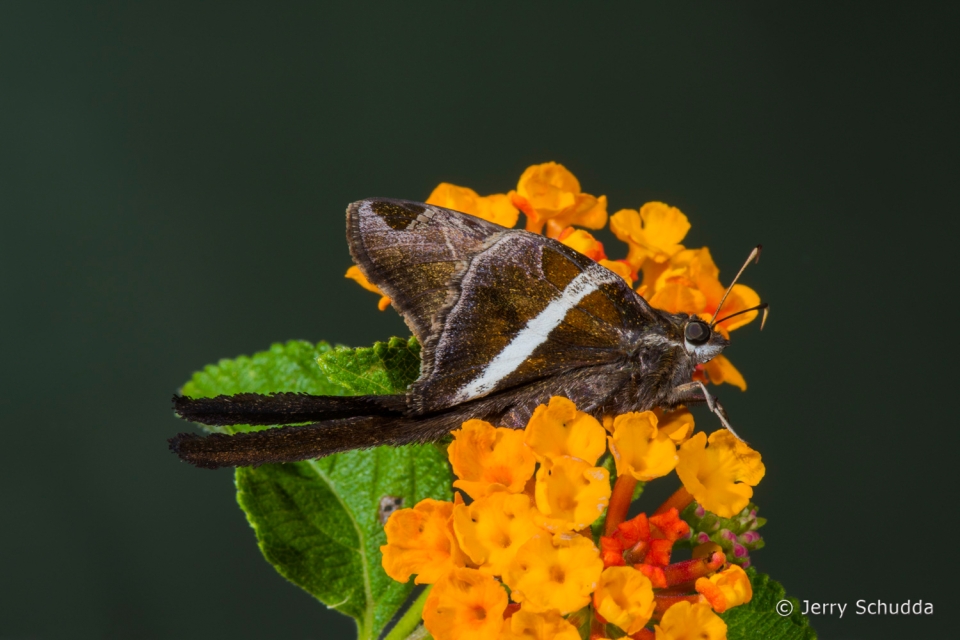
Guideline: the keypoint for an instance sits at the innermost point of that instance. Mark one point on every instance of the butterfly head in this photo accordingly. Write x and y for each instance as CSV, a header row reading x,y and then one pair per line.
x,y
700,341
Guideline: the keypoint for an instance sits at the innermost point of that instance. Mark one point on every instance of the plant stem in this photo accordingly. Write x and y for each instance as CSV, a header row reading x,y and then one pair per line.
x,y
619,502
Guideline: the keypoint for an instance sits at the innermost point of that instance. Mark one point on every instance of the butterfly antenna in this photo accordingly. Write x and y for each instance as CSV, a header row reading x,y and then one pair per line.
x,y
762,306
754,255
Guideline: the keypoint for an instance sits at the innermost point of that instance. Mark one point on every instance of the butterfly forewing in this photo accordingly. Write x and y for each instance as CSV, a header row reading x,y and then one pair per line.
x,y
516,307
413,252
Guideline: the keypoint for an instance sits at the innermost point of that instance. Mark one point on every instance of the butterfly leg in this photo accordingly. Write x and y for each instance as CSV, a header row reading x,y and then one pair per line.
x,y
696,391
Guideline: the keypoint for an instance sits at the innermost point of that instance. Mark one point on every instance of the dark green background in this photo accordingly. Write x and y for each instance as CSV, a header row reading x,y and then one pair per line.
x,y
172,187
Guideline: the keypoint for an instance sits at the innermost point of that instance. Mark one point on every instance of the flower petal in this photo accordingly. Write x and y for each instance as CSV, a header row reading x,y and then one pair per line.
x,y
530,625
720,370
720,477
356,275
489,459
639,449
558,429
421,541
727,589
465,605
684,620
491,529
624,597
496,208
571,493
554,572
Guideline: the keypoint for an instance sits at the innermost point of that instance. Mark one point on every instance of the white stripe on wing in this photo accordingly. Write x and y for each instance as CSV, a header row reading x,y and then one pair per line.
x,y
536,332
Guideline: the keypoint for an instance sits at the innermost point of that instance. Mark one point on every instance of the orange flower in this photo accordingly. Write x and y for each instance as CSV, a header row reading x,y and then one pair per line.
x,y
726,589
355,274
585,243
495,208
685,283
550,195
654,232
639,449
677,424
558,429
720,370
648,541
421,541
489,459
571,493
690,283
720,477
491,529
530,625
556,572
624,597
685,621
465,605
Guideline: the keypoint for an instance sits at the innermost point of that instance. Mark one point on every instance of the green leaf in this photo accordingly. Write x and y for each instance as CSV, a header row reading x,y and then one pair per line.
x,y
759,618
386,367
318,522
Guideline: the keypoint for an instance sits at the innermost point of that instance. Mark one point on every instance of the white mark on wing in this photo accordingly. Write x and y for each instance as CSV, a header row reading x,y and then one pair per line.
x,y
446,239
536,332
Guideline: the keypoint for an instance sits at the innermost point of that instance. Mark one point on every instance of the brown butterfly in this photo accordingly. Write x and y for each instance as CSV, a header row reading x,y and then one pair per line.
x,y
506,319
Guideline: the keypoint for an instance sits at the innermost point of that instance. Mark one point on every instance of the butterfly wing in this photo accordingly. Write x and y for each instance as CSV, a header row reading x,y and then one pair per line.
x,y
413,252
494,308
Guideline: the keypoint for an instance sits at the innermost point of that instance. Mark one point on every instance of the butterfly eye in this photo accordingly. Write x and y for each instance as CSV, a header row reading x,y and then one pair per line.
x,y
697,332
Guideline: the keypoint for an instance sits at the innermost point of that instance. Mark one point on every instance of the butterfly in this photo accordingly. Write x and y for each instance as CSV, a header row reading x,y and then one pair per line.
x,y
506,319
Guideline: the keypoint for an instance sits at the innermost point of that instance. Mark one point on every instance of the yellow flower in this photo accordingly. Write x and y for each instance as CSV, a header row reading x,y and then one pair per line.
x,y
354,273
465,605
654,232
557,572
489,459
720,370
558,429
550,195
677,424
495,208
491,529
726,589
624,597
571,493
720,477
529,625
639,449
421,541
685,621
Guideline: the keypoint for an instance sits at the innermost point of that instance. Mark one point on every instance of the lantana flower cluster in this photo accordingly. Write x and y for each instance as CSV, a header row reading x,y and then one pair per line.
x,y
536,543
666,273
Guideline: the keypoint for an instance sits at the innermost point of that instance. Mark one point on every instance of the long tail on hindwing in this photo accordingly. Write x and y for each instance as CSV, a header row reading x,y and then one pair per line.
x,y
337,424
